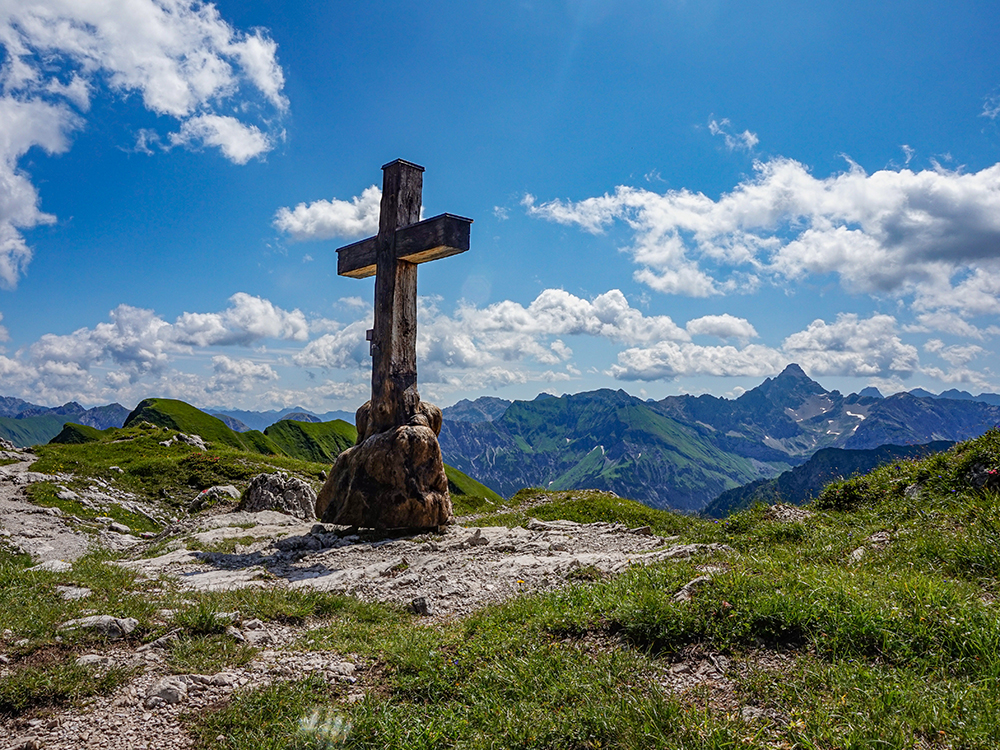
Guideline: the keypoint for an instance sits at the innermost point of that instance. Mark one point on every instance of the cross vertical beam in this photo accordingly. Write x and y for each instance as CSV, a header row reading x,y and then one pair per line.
x,y
394,342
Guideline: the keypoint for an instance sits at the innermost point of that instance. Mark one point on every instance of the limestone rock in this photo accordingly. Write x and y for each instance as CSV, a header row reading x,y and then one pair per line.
x,y
392,479
282,493
213,495
53,566
106,625
168,690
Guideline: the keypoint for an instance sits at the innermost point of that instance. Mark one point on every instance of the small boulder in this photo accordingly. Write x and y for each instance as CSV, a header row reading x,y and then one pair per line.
x,y
195,441
106,625
282,493
218,493
167,691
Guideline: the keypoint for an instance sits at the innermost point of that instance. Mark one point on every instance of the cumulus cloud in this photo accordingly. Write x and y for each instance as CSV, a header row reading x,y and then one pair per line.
x,y
723,326
323,220
853,346
346,348
179,56
239,142
238,375
503,343
850,346
246,320
669,360
931,234
136,345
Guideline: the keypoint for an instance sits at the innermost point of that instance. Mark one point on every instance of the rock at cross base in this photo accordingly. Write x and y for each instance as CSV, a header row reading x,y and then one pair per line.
x,y
390,479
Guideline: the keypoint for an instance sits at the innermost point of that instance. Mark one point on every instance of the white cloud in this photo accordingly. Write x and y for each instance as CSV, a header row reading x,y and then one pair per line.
x,y
246,320
239,142
931,234
323,220
745,141
991,107
955,355
238,375
138,343
668,360
722,326
346,348
179,56
852,346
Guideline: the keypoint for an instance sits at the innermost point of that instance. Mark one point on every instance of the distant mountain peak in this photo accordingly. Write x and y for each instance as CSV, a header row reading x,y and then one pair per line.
x,y
870,392
793,371
791,386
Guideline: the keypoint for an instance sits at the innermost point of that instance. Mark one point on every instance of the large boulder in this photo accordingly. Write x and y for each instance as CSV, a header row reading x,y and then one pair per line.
x,y
282,493
392,479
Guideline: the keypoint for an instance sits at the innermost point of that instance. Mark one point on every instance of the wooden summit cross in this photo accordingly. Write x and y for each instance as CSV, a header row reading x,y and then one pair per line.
x,y
393,477
392,256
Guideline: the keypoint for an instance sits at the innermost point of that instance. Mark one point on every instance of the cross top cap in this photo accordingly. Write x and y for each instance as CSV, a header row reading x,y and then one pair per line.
x,y
404,163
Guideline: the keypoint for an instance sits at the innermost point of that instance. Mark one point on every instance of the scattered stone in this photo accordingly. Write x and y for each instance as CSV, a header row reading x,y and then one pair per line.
x,y
282,493
67,494
420,606
224,679
53,566
24,743
162,642
118,469
167,691
235,634
785,513
6,445
642,531
211,496
688,590
119,528
95,660
106,625
70,593
193,440
477,539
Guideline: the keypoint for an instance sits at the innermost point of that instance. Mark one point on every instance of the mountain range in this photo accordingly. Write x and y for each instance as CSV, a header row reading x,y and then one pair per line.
x,y
683,451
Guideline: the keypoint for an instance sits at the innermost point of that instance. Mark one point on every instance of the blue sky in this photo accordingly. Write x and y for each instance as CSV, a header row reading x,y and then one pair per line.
x,y
668,196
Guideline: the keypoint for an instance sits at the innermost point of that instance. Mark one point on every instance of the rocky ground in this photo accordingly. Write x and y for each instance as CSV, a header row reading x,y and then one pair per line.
x,y
438,575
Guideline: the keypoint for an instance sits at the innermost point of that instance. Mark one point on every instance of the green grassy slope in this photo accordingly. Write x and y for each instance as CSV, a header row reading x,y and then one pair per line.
x,y
312,441
31,430
78,433
623,445
178,415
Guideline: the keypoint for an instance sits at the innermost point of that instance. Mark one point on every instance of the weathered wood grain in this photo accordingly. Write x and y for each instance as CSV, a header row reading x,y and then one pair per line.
x,y
437,237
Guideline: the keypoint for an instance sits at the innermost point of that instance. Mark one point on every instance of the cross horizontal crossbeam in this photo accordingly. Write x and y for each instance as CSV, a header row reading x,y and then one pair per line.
x,y
437,237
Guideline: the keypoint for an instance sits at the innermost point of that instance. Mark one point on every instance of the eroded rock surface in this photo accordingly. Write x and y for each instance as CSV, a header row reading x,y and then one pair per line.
x,y
454,571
